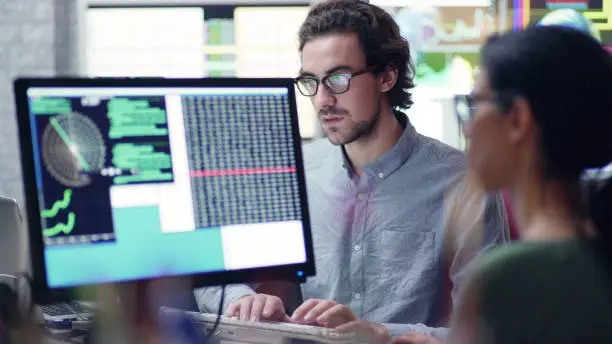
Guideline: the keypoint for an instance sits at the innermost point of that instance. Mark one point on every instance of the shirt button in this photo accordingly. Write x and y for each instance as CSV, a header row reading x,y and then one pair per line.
x,y
361,196
357,296
356,247
381,175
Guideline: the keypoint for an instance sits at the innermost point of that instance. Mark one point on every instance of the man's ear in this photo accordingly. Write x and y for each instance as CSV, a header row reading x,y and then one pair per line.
x,y
388,78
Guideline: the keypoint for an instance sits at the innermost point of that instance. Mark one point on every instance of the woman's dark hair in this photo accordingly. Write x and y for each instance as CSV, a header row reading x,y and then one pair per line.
x,y
566,77
378,33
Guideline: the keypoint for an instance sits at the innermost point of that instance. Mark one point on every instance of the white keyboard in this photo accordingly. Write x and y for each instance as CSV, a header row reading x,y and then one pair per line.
x,y
265,331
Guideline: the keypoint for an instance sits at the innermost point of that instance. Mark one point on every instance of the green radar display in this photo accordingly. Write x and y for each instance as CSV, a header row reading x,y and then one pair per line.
x,y
72,149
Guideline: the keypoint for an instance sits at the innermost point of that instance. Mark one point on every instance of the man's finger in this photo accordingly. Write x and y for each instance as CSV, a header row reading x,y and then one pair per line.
x,y
335,316
245,308
349,327
273,307
286,318
304,308
317,310
233,309
257,307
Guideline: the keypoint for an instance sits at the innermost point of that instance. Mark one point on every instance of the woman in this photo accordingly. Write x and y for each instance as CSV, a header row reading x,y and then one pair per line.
x,y
541,115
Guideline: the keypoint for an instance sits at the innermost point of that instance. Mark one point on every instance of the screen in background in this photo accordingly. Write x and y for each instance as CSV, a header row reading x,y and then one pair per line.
x,y
147,182
591,16
229,40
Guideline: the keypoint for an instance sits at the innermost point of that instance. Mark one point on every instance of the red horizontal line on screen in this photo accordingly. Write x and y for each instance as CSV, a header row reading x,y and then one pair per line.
x,y
220,173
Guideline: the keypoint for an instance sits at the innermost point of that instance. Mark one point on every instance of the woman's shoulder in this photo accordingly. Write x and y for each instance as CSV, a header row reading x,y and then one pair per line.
x,y
520,260
539,281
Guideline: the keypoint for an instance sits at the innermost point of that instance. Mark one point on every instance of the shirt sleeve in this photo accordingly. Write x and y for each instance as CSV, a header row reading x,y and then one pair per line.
x,y
208,298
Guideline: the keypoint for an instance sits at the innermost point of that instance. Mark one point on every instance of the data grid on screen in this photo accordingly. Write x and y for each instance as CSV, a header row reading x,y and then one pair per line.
x,y
241,159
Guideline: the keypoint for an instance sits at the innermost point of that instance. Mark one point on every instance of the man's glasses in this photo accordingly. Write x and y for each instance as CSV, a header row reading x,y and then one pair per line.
x,y
336,83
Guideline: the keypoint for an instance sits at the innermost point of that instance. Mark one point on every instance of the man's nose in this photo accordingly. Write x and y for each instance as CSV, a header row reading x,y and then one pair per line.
x,y
323,99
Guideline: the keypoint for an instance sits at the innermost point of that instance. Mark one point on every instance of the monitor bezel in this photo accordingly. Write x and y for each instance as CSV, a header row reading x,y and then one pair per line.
x,y
42,292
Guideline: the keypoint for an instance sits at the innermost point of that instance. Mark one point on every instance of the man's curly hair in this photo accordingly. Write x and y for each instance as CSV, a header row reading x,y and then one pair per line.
x,y
378,34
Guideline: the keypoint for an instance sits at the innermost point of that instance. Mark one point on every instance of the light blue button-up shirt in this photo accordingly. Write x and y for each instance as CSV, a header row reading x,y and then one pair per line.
x,y
381,239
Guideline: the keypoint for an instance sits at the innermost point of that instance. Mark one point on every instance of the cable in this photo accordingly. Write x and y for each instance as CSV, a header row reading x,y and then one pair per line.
x,y
219,313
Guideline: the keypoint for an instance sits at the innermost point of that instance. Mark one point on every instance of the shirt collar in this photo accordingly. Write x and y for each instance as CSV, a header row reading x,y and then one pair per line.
x,y
394,158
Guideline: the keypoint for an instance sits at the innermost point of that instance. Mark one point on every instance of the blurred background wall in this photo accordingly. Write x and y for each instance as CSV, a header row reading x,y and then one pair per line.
x,y
37,38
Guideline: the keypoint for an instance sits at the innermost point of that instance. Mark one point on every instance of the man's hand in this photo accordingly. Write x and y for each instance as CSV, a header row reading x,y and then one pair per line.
x,y
325,313
258,307
330,314
366,331
415,338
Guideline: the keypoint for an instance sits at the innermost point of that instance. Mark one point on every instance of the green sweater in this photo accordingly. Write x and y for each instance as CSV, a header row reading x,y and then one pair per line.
x,y
536,292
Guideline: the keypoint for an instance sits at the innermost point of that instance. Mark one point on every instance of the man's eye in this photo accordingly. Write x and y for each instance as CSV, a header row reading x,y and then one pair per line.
x,y
336,78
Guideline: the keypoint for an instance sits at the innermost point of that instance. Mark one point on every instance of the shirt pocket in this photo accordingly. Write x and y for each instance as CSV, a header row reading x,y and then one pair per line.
x,y
408,260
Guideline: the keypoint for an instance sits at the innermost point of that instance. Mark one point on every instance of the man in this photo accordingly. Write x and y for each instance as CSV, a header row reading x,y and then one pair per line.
x,y
376,188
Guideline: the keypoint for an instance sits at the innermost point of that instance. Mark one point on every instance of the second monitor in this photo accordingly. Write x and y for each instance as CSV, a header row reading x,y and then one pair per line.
x,y
130,179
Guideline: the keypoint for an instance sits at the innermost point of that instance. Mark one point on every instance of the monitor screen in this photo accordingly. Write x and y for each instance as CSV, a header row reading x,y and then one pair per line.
x,y
132,179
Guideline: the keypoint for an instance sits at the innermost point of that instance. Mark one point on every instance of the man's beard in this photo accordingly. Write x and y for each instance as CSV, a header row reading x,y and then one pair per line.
x,y
359,130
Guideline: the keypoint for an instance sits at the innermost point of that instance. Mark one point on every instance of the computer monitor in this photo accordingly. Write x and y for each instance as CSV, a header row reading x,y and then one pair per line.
x,y
130,179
